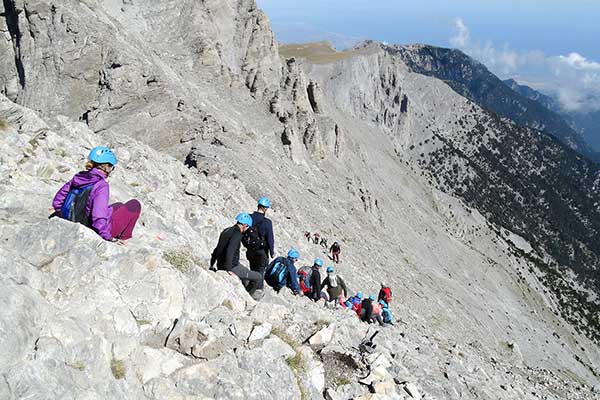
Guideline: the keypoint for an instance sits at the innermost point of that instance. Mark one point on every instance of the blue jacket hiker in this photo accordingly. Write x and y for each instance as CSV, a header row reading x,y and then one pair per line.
x,y
282,272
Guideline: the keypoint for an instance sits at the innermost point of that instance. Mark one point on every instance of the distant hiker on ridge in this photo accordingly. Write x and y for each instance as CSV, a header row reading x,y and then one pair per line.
x,y
84,199
227,256
258,239
316,237
282,272
307,236
335,251
323,243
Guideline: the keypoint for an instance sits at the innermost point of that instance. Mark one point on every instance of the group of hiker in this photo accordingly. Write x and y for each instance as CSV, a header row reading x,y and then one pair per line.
x,y
316,238
255,233
85,197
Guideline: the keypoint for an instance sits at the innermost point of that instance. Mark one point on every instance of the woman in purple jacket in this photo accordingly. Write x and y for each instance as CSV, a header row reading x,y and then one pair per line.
x,y
114,223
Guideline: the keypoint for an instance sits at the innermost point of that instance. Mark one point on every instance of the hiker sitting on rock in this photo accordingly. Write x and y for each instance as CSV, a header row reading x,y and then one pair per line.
x,y
335,288
84,199
227,256
282,272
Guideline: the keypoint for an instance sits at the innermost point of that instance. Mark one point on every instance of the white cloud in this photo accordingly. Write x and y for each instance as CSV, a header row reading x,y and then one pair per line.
x,y
574,78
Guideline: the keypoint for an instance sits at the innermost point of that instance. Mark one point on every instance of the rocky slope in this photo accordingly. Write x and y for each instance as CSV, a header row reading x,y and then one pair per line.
x,y
90,319
474,81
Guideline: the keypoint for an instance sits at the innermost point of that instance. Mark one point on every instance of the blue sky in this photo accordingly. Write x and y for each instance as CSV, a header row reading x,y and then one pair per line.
x,y
551,45
556,27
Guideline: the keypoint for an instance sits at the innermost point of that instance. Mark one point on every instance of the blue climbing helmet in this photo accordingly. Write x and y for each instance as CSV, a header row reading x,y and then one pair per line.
x,y
244,218
264,202
293,253
102,155
371,297
329,269
318,262
359,295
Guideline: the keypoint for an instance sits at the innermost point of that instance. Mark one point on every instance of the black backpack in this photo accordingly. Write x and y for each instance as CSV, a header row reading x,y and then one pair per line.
x,y
253,240
74,207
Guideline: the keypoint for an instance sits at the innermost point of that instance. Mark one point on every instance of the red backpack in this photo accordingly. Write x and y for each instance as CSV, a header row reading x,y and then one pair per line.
x,y
387,294
303,280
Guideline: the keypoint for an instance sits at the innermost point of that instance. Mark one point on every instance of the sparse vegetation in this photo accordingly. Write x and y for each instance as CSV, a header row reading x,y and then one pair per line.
x,y
227,304
3,124
78,365
296,362
117,368
179,259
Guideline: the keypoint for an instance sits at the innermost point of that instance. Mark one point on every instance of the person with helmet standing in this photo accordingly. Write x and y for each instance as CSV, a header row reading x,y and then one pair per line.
x,y
282,272
84,199
315,280
259,240
336,287
226,255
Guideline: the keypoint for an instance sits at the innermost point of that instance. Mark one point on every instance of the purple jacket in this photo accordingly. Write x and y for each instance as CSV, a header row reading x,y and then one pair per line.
x,y
97,205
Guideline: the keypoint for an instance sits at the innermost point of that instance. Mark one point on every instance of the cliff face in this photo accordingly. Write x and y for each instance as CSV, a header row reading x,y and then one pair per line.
x,y
353,145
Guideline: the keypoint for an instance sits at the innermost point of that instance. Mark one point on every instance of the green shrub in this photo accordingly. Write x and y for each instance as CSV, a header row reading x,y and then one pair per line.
x,y
180,259
118,368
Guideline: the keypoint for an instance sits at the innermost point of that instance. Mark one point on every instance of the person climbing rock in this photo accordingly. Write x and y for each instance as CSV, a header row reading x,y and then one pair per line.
x,y
335,252
259,239
84,199
385,293
226,256
335,287
316,237
281,272
386,313
315,280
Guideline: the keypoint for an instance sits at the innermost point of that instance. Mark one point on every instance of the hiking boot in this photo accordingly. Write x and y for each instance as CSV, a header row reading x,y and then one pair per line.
x,y
258,294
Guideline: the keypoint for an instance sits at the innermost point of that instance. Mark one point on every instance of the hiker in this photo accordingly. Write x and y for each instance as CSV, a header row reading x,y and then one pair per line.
x,y
323,243
385,293
366,311
315,280
227,256
84,199
354,302
335,286
258,239
282,272
335,252
386,313
316,237
376,313
304,280
307,236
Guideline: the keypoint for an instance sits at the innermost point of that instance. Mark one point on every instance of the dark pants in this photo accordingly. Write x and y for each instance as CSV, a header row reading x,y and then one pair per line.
x,y
258,261
250,279
335,256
